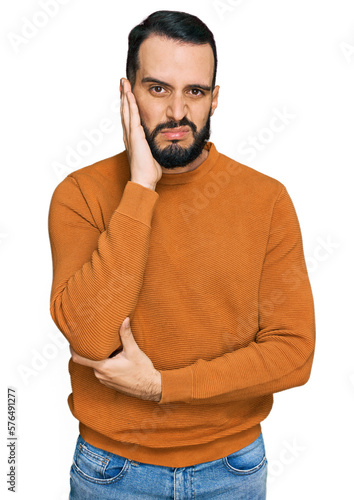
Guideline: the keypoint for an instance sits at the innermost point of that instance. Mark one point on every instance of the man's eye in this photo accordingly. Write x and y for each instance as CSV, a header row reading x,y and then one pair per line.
x,y
197,92
157,89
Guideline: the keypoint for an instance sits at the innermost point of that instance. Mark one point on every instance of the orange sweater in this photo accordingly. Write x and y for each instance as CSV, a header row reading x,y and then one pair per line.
x,y
210,269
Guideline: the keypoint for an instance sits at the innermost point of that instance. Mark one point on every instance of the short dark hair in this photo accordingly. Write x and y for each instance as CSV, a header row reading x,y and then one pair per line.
x,y
170,24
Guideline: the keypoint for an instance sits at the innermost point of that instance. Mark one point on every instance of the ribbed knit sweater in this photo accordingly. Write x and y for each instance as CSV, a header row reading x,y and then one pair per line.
x,y
210,269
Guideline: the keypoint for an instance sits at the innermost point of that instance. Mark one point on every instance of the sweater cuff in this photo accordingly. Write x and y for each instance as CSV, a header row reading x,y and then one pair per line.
x,y
177,385
138,202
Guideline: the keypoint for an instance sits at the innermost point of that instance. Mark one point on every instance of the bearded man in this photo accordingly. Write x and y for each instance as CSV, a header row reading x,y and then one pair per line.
x,y
180,283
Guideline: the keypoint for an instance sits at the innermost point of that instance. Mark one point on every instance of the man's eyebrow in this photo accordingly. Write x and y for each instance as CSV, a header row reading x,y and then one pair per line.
x,y
149,79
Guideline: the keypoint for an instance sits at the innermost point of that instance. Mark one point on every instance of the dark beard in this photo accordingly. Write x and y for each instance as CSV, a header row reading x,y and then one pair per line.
x,y
174,155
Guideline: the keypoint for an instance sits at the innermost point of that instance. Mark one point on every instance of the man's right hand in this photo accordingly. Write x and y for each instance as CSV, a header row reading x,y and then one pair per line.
x,y
144,169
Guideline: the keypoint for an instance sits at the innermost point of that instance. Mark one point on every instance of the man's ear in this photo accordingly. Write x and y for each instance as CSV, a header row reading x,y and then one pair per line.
x,y
214,102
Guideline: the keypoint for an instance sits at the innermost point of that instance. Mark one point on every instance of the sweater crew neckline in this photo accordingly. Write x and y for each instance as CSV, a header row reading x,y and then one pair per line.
x,y
197,173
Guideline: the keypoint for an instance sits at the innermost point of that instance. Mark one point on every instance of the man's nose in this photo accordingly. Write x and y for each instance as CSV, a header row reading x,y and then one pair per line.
x,y
177,108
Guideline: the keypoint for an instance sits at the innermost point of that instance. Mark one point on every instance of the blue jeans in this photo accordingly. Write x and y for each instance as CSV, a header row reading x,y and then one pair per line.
x,y
99,475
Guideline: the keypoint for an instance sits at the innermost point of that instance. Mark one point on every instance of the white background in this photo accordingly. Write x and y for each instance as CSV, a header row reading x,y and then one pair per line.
x,y
62,79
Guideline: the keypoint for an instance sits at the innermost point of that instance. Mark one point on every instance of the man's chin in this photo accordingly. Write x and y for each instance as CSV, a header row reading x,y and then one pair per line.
x,y
175,155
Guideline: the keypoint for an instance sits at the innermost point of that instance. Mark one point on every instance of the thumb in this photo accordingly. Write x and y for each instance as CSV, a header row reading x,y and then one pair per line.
x,y
126,335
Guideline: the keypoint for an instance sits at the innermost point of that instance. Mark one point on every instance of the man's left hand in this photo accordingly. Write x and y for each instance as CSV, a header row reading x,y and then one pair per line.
x,y
130,372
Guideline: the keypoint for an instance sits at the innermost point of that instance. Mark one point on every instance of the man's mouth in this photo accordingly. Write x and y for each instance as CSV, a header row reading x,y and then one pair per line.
x,y
173,134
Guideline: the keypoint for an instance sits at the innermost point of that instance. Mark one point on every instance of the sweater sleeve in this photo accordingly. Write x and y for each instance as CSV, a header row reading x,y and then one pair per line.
x,y
97,276
282,353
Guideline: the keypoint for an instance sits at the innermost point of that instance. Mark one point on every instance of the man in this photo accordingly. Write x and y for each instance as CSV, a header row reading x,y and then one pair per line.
x,y
180,283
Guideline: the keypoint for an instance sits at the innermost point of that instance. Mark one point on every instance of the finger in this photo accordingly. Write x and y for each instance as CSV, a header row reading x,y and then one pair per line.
x,y
134,111
125,112
99,375
122,93
124,135
130,347
80,360
121,97
122,113
128,87
125,323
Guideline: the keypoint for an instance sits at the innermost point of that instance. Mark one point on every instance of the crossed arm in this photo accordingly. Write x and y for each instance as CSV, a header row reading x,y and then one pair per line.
x,y
130,372
280,357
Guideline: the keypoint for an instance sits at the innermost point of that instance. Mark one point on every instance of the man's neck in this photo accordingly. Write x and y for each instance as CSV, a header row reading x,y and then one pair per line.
x,y
191,166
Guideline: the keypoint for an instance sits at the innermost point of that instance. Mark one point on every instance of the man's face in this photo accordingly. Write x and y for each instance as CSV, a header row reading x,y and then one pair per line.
x,y
175,99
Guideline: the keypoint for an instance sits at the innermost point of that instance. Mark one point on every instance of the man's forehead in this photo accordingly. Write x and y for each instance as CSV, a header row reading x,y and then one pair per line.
x,y
165,58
